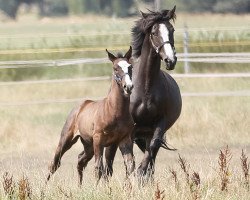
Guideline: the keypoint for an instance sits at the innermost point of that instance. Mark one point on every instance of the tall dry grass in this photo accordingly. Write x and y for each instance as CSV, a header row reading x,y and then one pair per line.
x,y
201,184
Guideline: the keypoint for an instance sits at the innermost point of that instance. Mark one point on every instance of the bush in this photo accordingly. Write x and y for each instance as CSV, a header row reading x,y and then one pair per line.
x,y
56,7
10,7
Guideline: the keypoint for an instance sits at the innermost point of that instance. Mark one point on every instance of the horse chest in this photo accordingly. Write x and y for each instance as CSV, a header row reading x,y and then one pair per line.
x,y
114,132
146,111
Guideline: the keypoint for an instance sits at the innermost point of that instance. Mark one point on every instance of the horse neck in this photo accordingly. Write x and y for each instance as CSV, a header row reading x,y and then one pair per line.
x,y
149,65
116,101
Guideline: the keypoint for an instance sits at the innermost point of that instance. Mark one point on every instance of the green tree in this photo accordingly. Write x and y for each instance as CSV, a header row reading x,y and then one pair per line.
x,y
121,8
75,6
56,7
10,7
93,6
239,6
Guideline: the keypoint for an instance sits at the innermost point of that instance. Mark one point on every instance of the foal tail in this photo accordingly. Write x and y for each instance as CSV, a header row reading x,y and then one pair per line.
x,y
67,139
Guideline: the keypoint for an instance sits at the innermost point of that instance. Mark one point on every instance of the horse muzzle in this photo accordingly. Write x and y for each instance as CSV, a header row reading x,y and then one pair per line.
x,y
170,64
128,89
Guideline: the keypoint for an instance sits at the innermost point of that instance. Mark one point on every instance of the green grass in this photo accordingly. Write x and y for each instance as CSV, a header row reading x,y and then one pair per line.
x,y
99,33
92,31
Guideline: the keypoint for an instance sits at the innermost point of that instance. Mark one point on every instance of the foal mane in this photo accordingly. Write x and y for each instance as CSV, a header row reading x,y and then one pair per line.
x,y
143,25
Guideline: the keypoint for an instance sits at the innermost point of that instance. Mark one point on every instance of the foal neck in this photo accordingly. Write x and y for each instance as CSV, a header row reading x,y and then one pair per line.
x,y
117,101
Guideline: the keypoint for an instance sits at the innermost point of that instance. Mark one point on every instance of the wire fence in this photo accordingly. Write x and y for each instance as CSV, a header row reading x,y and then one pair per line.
x,y
28,41
191,57
106,78
244,93
94,34
114,48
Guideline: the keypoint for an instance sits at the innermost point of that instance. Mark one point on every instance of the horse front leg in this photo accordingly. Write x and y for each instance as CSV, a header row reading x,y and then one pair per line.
x,y
98,152
147,166
126,148
109,156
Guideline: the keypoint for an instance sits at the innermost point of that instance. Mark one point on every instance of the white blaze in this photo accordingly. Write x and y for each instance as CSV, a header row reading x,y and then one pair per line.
x,y
165,36
125,65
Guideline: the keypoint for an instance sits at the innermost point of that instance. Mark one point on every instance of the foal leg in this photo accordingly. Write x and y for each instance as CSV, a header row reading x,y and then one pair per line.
x,y
126,148
98,152
109,156
83,158
66,141
65,144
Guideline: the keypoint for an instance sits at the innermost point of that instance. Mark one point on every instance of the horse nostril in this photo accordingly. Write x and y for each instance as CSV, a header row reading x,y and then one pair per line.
x,y
167,61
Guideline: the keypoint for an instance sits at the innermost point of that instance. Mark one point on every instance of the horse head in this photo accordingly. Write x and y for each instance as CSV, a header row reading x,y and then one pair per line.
x,y
161,34
122,71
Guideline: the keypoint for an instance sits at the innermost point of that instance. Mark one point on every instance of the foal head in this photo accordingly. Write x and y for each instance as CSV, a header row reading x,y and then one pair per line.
x,y
122,71
161,34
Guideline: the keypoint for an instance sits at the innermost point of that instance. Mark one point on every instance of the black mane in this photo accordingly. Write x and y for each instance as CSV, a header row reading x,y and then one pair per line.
x,y
143,25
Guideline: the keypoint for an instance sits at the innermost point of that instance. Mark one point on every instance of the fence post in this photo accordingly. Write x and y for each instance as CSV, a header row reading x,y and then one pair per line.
x,y
185,50
157,5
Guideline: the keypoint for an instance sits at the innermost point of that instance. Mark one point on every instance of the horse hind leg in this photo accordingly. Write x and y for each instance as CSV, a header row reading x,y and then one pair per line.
x,y
65,143
63,146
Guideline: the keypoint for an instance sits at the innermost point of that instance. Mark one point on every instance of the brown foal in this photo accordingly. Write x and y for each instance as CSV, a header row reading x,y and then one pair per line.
x,y
101,123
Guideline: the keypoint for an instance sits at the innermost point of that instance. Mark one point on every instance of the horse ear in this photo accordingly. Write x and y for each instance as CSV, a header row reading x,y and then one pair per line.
x,y
111,56
129,53
171,13
144,15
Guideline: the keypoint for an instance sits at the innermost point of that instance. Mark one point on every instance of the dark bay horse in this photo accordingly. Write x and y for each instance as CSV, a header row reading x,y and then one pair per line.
x,y
155,102
102,123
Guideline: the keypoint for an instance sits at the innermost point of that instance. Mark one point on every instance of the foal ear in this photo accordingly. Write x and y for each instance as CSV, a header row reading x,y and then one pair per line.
x,y
171,13
129,53
111,56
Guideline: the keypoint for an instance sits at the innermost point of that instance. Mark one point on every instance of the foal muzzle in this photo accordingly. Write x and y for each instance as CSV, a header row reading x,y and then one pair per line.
x,y
128,89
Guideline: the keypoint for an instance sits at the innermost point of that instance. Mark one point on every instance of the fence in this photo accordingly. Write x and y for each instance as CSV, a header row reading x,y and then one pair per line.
x,y
193,57
185,57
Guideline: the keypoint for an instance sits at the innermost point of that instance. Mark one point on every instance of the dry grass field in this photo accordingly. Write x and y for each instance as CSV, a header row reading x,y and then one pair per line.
x,y
29,135
197,170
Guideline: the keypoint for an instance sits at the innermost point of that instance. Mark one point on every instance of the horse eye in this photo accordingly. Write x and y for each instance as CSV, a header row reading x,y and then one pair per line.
x,y
154,33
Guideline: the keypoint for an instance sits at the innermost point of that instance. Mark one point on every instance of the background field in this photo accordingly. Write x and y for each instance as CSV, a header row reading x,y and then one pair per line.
x,y
29,133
